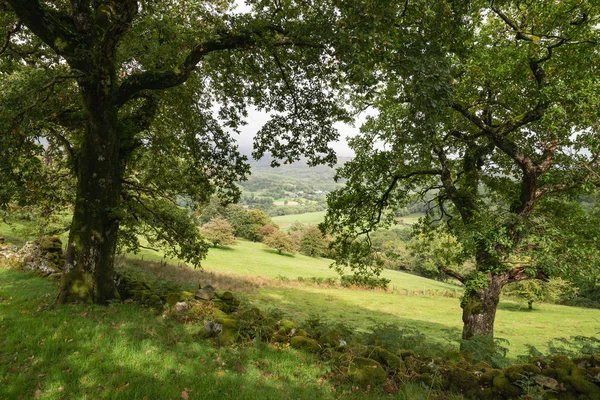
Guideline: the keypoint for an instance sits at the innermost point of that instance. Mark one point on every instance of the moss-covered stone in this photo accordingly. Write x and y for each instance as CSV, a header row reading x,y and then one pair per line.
x,y
301,332
219,314
502,386
519,372
579,382
563,362
406,353
226,296
220,305
385,358
49,243
487,377
227,336
366,372
279,339
286,326
303,342
331,338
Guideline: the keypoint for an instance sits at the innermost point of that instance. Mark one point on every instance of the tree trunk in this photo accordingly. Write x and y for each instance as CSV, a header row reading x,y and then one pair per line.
x,y
479,309
530,304
89,269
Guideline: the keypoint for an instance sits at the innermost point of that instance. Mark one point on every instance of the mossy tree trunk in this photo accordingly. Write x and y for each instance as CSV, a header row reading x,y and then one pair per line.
x,y
479,309
89,270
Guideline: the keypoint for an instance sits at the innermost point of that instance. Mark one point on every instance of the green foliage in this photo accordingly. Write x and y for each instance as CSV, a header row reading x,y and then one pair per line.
x,y
219,232
488,144
280,241
312,242
487,349
556,290
435,248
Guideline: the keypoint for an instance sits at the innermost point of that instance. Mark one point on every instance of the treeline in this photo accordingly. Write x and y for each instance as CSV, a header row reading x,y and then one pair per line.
x,y
222,224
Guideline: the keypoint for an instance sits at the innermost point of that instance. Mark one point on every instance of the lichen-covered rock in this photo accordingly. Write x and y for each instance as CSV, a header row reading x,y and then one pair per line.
x,y
205,293
302,342
181,307
44,256
366,372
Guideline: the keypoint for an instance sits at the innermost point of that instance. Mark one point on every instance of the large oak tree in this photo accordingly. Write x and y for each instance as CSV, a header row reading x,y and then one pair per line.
x,y
143,98
491,109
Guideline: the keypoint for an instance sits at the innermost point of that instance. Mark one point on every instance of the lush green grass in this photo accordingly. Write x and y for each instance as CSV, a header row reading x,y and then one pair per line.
x,y
314,218
285,221
438,317
125,351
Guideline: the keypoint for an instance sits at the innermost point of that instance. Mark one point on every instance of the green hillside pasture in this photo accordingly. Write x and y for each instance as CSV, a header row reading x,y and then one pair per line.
x,y
439,318
433,315
285,221
125,351
314,218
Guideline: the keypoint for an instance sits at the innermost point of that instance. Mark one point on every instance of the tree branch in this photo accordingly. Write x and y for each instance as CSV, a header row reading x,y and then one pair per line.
x,y
53,27
156,80
452,273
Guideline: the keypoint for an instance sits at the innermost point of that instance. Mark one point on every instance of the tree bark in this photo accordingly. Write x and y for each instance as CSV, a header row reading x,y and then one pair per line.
x,y
479,309
89,271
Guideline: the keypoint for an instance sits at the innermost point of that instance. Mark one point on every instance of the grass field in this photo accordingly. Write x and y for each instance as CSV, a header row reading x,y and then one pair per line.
x,y
436,316
314,218
251,265
285,221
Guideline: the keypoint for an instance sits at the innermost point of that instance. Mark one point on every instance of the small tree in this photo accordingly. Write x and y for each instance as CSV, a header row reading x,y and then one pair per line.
x,y
219,232
267,230
280,241
536,291
312,242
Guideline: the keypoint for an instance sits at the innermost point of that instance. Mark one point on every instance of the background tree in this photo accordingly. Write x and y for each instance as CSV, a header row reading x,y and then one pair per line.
x,y
280,241
534,290
312,242
127,83
490,109
219,232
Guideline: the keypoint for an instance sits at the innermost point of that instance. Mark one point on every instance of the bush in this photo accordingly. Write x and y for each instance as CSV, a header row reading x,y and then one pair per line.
x,y
368,282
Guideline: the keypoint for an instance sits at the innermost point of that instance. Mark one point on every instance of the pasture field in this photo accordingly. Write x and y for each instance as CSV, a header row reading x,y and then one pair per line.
x,y
269,280
437,314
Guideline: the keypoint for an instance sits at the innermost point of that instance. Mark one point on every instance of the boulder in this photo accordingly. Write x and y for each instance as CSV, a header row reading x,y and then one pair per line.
x,y
366,372
302,342
43,256
205,293
182,307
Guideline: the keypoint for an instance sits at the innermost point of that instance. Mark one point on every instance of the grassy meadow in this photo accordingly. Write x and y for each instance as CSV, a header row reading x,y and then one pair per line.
x,y
412,301
126,351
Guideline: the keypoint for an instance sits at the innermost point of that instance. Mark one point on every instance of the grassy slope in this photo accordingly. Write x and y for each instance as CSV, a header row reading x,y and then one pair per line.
x,y
430,314
124,352
285,221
